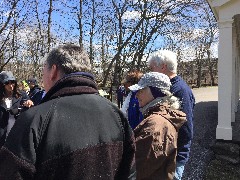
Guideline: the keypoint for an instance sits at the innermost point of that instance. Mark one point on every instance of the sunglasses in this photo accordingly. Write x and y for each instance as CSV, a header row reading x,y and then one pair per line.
x,y
10,82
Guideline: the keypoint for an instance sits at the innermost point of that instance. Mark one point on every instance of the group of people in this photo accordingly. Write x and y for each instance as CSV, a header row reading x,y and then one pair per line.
x,y
74,133
162,63
14,99
163,70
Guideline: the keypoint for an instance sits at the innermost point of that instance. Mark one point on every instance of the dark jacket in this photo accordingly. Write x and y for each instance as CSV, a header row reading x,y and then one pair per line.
x,y
134,114
35,94
181,90
15,109
156,142
73,134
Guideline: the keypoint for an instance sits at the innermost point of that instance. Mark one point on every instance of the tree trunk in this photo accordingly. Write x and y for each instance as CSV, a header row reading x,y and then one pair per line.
x,y
199,73
49,25
92,31
80,26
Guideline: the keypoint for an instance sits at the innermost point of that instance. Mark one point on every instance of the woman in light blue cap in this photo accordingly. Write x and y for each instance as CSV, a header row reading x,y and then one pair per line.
x,y
156,135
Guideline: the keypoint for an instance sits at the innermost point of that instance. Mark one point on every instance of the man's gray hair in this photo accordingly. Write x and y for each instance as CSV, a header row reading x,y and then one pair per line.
x,y
69,58
165,57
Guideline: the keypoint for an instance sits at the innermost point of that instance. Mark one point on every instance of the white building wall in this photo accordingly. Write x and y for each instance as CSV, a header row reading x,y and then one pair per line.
x,y
228,65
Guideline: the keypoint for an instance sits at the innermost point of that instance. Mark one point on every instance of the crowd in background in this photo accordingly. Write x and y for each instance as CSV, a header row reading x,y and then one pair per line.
x,y
69,131
16,97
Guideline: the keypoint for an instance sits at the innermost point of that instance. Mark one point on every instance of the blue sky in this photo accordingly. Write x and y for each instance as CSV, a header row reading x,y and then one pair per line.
x,y
63,18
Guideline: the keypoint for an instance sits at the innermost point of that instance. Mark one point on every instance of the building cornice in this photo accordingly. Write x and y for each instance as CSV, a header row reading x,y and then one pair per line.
x,y
214,9
218,3
226,23
215,5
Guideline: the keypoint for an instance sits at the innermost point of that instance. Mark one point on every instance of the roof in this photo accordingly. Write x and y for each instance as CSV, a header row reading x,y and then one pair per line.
x,y
213,8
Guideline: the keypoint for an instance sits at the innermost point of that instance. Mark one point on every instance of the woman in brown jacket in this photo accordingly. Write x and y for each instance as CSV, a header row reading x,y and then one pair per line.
x,y
156,135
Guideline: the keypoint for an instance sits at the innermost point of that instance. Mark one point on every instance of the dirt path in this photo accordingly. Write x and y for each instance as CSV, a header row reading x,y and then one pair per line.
x,y
206,94
205,123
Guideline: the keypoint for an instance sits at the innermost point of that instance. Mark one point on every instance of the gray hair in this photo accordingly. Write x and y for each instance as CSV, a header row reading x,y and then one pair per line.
x,y
165,57
69,58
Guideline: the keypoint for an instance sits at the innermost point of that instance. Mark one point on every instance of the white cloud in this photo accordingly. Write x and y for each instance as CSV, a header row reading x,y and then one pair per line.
x,y
131,15
6,14
25,34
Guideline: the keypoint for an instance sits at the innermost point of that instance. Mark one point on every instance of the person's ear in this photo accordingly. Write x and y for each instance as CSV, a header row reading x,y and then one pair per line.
x,y
54,72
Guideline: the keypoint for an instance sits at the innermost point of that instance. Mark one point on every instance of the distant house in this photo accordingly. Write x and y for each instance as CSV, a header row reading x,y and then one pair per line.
x,y
227,13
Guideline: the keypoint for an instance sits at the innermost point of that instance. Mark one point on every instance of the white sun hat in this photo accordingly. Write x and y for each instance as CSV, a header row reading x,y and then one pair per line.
x,y
154,79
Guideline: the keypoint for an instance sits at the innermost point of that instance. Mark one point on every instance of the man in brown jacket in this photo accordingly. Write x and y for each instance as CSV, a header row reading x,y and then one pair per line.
x,y
156,135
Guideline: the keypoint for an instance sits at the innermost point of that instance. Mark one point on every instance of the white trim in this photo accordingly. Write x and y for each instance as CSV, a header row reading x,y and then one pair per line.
x,y
224,133
218,3
236,70
228,23
214,9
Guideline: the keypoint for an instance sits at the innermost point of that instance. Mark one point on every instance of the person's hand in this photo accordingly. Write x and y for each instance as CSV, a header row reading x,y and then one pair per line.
x,y
28,103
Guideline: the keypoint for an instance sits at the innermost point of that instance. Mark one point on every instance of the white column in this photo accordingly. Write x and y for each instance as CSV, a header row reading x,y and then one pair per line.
x,y
237,84
235,72
238,60
225,81
238,75
238,70
237,81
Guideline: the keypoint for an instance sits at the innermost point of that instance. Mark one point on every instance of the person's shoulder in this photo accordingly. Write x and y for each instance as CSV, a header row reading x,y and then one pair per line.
x,y
36,88
153,123
163,124
89,99
178,80
40,110
26,117
40,92
106,102
179,83
43,106
153,120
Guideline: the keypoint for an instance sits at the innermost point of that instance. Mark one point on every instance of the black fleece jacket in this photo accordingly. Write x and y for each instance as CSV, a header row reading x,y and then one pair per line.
x,y
73,134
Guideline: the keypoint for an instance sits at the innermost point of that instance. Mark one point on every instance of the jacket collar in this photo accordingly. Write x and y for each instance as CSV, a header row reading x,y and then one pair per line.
x,y
175,79
175,117
72,84
151,104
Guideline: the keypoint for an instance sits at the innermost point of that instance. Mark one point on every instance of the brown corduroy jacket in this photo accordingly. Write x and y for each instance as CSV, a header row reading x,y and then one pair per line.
x,y
156,142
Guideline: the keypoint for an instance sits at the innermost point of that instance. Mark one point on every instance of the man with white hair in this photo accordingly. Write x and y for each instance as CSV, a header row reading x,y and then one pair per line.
x,y
74,133
165,62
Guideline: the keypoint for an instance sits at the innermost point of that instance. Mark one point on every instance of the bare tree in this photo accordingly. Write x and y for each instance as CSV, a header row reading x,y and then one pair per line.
x,y
119,35
49,23
6,24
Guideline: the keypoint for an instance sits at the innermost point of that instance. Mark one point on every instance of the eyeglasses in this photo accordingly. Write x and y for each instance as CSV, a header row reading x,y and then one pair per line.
x,y
10,82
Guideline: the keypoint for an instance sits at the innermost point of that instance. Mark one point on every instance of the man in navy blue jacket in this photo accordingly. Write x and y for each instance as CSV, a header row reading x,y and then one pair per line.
x,y
165,61
35,93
